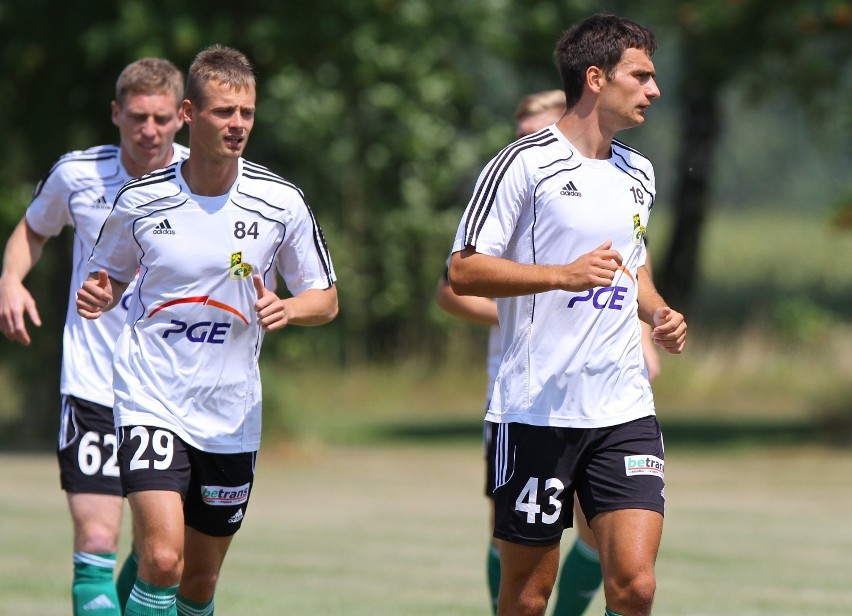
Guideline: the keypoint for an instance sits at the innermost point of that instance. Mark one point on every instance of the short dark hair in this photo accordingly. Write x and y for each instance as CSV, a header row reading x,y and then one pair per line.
x,y
218,63
599,40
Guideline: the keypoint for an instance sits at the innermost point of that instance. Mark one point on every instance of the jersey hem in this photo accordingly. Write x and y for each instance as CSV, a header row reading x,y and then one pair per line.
x,y
136,419
564,422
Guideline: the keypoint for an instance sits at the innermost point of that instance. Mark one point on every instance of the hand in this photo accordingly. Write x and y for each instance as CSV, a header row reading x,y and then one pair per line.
x,y
669,329
271,310
594,269
94,296
15,301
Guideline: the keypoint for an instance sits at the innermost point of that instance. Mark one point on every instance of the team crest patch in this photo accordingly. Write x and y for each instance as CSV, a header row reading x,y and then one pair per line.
x,y
638,230
644,465
239,270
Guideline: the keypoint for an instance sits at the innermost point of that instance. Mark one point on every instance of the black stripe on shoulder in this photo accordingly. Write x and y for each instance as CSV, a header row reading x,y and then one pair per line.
x,y
483,198
253,171
321,246
161,175
95,154
626,165
103,152
623,145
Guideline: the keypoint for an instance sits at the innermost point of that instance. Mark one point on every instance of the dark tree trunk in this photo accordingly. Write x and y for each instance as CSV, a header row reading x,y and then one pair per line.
x,y
678,276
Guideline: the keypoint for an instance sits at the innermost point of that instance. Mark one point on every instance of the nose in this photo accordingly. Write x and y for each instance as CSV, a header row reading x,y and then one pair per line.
x,y
237,121
149,127
653,89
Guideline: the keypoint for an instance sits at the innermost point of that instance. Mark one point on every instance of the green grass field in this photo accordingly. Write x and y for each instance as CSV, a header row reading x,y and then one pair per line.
x,y
369,488
399,528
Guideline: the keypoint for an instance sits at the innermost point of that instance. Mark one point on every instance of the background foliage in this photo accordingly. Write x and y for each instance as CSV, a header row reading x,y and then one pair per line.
x,y
383,112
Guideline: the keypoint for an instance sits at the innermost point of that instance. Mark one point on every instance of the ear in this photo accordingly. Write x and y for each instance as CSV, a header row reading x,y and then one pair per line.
x,y
116,109
594,79
185,112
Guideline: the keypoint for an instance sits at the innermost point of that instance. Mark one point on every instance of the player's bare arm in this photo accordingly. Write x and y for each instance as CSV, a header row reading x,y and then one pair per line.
x,y
99,293
669,326
311,307
472,273
481,310
23,250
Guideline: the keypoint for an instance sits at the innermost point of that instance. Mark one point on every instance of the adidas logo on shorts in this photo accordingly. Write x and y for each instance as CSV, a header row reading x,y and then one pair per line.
x,y
236,517
101,602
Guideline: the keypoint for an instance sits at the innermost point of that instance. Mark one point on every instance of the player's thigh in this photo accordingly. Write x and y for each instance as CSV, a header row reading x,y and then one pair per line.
x,y
527,569
155,473
96,510
87,448
157,518
158,535
628,541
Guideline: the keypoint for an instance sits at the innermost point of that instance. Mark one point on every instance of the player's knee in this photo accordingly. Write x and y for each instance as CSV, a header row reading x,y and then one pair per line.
x,y
161,566
97,539
634,594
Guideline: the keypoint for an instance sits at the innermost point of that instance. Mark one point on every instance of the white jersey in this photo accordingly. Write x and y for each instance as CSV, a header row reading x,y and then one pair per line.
x,y
569,359
495,356
78,192
187,356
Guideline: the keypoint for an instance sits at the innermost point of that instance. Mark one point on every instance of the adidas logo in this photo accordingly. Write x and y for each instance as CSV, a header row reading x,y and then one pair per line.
x,y
569,190
101,602
236,517
164,228
101,204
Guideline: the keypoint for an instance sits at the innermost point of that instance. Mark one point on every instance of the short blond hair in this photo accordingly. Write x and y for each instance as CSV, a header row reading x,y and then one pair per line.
x,y
149,76
539,102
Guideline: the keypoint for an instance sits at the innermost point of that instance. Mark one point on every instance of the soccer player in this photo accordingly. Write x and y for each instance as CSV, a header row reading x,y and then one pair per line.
x,y
555,230
79,192
208,236
580,575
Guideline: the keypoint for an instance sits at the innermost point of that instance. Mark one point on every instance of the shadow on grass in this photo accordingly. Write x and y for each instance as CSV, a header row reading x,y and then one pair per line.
x,y
679,433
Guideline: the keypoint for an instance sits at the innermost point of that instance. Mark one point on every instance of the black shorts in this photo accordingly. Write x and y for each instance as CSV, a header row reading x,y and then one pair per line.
x,y
489,459
86,449
538,469
215,487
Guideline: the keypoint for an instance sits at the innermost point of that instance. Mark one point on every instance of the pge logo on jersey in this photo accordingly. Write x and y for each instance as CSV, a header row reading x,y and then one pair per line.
x,y
611,297
211,332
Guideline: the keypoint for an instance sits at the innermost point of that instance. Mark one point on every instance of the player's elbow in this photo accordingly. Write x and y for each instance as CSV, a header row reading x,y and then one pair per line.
x,y
460,274
330,308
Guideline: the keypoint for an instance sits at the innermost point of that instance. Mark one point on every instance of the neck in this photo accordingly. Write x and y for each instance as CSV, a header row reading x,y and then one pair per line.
x,y
137,171
207,178
586,134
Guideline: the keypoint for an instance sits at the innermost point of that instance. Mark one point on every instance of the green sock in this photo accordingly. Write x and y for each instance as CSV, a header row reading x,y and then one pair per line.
x,y
92,590
185,607
493,569
149,600
579,580
126,578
